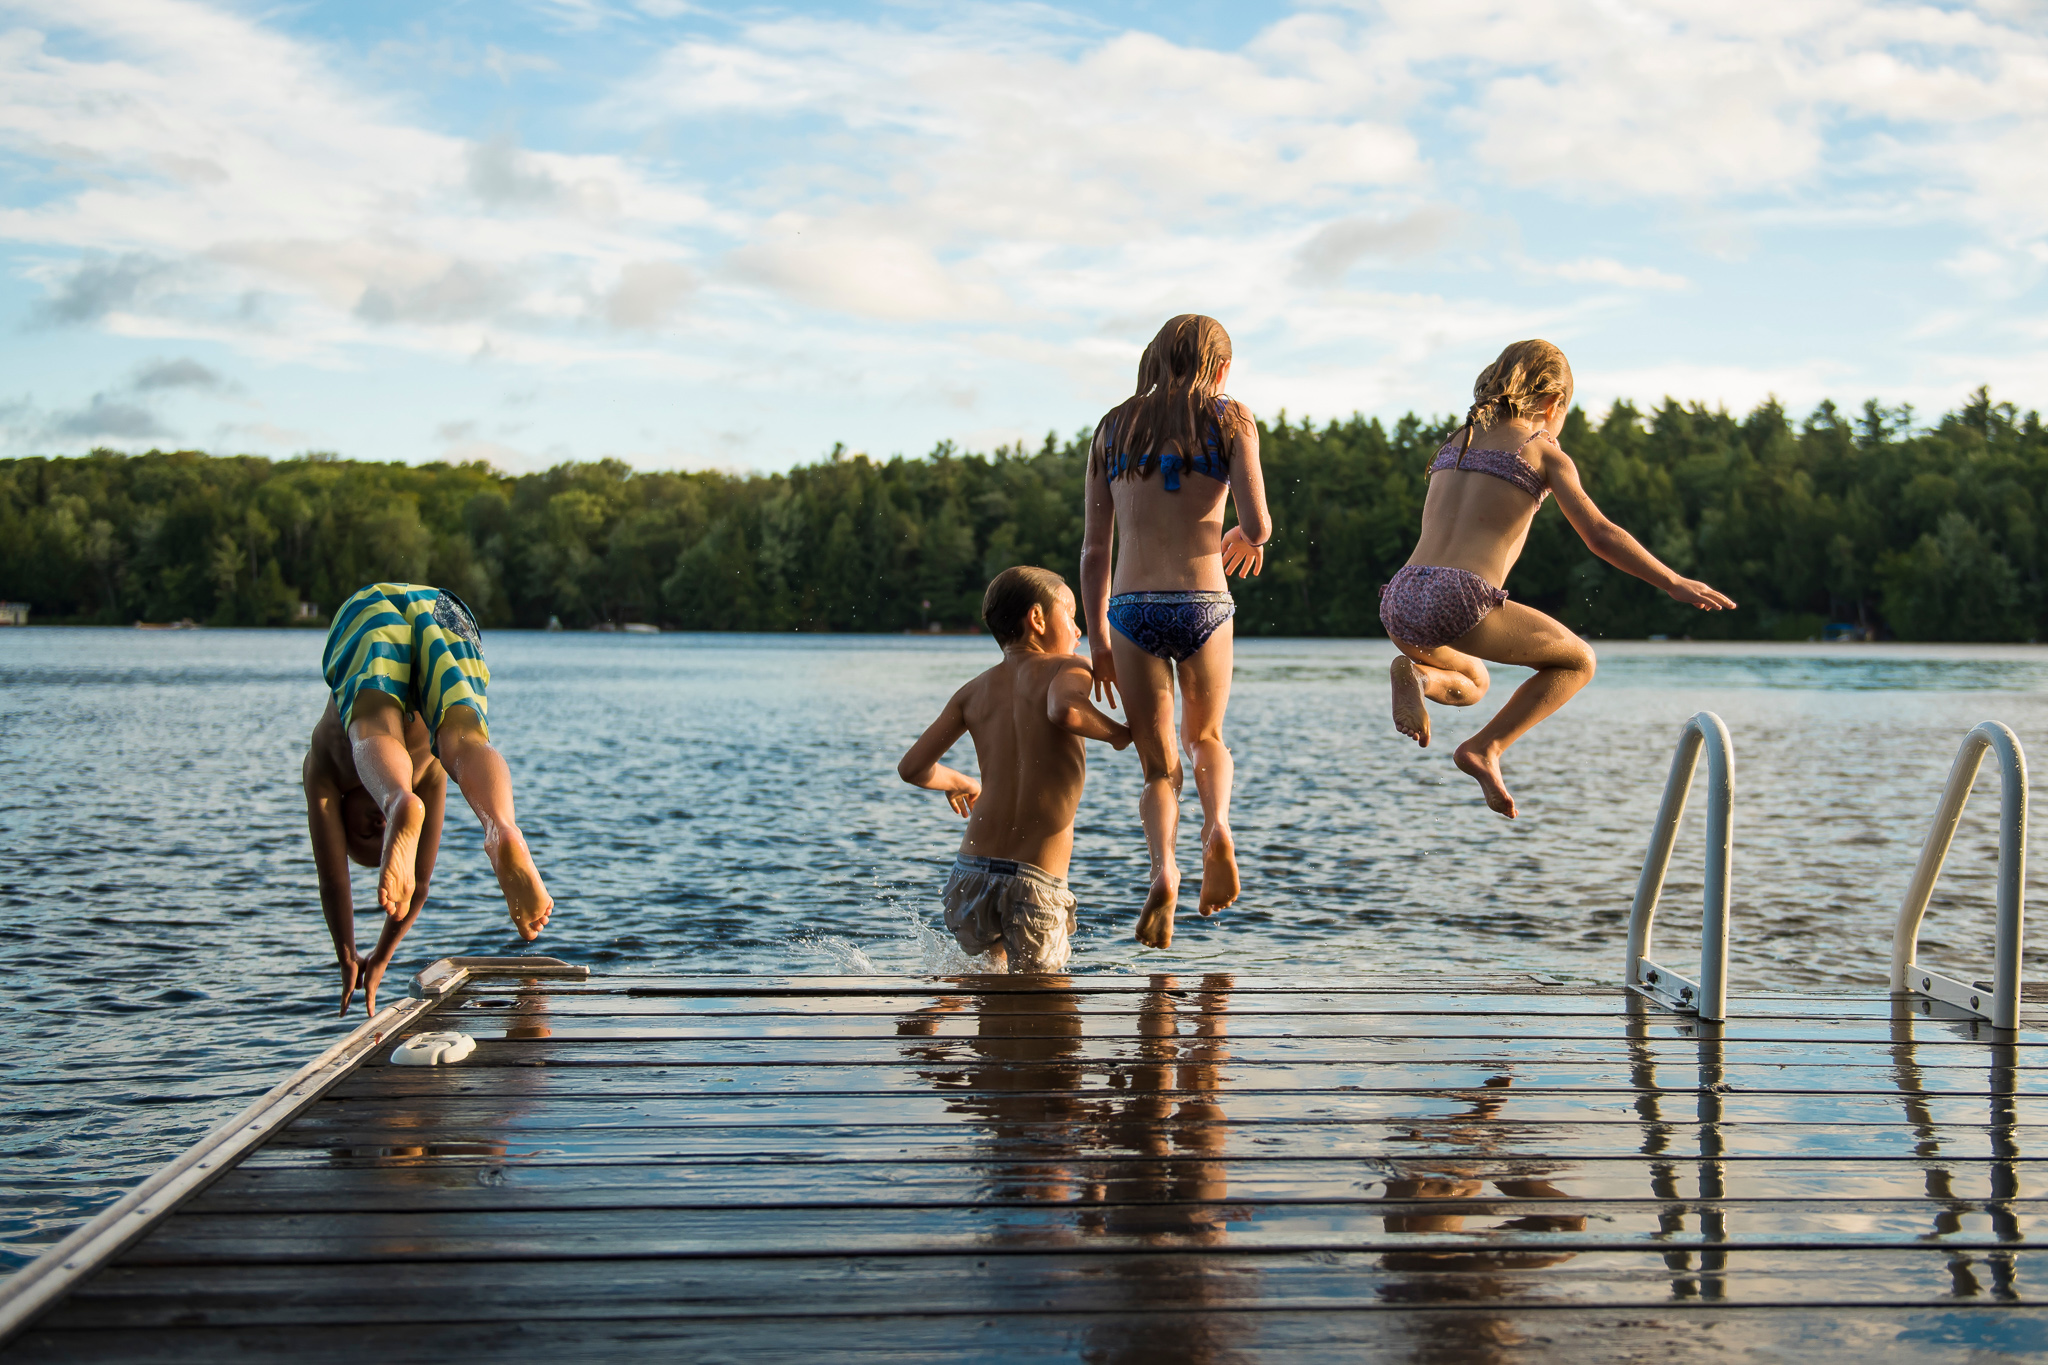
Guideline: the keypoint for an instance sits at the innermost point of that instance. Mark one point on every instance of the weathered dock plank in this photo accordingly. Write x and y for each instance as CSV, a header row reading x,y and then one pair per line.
x,y
1203,1167
1187,1330
400,1185
798,1286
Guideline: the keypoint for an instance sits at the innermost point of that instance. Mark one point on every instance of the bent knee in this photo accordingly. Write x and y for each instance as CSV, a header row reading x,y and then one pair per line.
x,y
1464,688
452,744
376,715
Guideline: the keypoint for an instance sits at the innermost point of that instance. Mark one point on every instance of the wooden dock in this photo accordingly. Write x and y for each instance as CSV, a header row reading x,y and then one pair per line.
x,y
1198,1168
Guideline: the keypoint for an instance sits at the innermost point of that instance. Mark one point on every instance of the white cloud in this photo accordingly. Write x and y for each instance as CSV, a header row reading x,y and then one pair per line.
x,y
984,200
1601,270
648,294
1336,246
180,373
107,416
228,162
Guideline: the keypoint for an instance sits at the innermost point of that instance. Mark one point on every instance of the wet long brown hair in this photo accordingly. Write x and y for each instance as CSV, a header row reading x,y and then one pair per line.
x,y
1175,402
1519,383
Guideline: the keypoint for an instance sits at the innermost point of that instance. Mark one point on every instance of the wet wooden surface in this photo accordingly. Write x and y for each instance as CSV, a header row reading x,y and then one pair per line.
x,y
1195,1168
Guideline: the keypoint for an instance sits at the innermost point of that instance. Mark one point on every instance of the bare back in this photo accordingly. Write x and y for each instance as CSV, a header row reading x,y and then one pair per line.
x,y
1032,770
1171,539
1477,521
1168,541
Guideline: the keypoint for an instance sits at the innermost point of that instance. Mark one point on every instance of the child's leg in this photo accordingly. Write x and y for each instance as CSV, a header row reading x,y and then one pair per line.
x,y
1146,682
1442,675
376,741
486,784
1515,634
1205,694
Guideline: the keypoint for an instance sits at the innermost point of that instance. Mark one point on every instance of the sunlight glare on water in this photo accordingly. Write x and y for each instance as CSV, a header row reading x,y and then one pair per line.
x,y
730,803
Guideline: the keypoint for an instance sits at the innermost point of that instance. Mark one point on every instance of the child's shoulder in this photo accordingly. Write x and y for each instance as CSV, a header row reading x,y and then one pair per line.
x,y
1041,669
1543,449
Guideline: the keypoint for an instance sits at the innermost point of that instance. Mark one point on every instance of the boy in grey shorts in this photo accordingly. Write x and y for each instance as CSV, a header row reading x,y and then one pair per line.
x,y
1030,717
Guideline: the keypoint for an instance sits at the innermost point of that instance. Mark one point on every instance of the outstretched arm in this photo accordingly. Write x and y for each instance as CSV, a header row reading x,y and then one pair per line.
x,y
1615,545
1244,545
330,865
433,790
1067,706
921,767
1098,536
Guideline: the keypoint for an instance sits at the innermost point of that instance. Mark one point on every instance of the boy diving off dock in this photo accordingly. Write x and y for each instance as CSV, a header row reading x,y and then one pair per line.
x,y
406,669
1029,716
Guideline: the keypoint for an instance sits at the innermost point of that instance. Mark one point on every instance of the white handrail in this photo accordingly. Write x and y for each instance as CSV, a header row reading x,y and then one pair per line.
x,y
1709,995
1907,975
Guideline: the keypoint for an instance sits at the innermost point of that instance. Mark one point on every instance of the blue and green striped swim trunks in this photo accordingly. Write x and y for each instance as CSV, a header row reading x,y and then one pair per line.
x,y
417,644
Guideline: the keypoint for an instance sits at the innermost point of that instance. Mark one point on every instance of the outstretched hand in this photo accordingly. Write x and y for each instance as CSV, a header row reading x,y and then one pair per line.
x,y
1102,663
373,972
1694,593
361,973
351,977
1240,556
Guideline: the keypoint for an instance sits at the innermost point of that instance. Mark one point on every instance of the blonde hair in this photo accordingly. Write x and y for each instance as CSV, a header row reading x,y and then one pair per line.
x,y
1178,383
1521,382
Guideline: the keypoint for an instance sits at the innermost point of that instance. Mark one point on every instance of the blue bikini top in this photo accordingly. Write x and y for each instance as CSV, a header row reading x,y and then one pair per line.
x,y
1212,459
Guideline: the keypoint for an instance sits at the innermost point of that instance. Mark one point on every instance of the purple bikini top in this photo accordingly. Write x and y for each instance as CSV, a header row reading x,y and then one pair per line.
x,y
1502,464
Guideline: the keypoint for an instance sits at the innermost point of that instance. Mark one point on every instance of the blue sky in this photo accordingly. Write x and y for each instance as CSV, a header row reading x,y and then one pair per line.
x,y
686,235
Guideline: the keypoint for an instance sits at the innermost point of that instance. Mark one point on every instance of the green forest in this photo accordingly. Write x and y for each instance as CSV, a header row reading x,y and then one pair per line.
x,y
1908,531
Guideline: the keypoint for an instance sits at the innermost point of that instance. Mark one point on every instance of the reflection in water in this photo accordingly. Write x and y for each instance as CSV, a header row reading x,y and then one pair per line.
x,y
525,1016
677,871
1708,1281
1108,1132
1140,1161
1474,1274
2003,1084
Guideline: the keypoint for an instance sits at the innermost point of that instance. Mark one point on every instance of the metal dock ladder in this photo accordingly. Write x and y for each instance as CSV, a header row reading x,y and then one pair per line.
x,y
2000,1003
1708,996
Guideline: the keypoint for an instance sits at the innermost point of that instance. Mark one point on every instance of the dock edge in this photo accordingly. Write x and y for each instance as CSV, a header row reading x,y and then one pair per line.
x,y
40,1283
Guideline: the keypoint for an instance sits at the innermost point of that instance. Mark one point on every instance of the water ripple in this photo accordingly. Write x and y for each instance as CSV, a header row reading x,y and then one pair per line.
x,y
730,802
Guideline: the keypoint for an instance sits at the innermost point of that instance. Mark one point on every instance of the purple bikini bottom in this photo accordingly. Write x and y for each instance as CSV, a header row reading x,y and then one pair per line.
x,y
1428,605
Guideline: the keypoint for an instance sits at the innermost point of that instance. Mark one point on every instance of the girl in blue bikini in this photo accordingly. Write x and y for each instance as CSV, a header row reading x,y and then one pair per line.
x,y
1170,602
1447,611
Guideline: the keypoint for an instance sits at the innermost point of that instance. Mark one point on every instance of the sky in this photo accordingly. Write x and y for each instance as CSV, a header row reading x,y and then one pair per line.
x,y
729,236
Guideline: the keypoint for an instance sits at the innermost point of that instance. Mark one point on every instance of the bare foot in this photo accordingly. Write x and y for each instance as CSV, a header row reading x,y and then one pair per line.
x,y
1411,717
351,973
1484,768
396,876
1155,921
519,879
1219,871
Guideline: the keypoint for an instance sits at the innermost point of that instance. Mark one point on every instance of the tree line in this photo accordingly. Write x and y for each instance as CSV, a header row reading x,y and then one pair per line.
x,y
1919,533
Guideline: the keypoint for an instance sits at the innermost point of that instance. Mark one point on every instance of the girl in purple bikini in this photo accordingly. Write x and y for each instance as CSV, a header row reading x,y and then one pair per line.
x,y
1158,470
1447,610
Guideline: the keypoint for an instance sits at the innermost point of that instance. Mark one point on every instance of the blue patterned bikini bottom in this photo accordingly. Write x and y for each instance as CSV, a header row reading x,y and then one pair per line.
x,y
1170,625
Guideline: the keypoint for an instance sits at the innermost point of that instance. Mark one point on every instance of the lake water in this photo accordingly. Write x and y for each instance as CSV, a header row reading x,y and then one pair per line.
x,y
730,803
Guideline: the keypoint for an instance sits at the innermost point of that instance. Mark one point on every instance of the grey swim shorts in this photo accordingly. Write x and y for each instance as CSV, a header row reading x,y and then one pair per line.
x,y
1019,905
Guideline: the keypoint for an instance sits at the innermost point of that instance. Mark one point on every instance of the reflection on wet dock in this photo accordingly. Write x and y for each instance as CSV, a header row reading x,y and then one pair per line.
x,y
1198,1168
